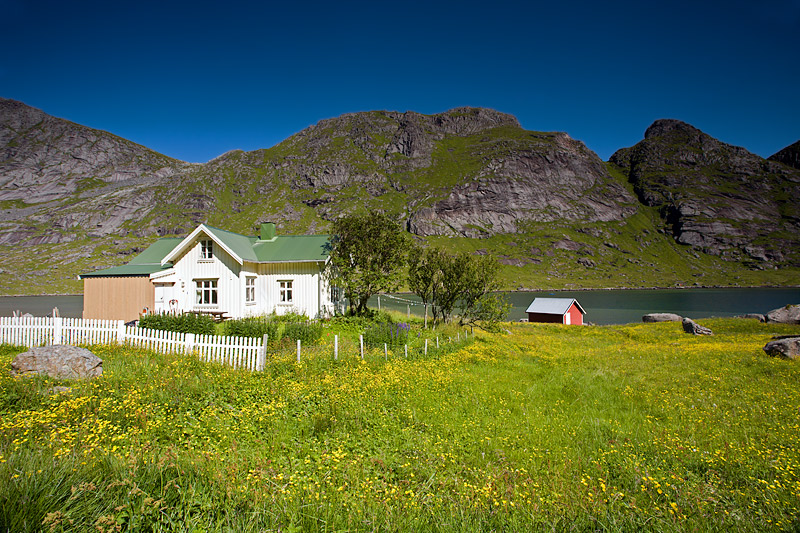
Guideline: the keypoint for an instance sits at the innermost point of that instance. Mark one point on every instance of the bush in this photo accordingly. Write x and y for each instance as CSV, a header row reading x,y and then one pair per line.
x,y
276,327
251,327
307,333
185,323
391,334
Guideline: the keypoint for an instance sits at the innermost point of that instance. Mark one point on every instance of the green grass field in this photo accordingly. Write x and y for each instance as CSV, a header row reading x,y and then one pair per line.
x,y
636,427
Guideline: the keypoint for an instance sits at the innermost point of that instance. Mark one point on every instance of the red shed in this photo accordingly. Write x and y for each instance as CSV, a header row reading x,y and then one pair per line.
x,y
556,310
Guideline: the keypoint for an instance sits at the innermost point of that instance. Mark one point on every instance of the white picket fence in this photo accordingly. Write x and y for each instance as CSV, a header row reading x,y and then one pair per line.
x,y
238,352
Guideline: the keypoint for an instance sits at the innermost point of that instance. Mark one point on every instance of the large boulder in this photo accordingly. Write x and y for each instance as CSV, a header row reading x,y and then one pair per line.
x,y
785,315
662,317
58,361
784,348
690,326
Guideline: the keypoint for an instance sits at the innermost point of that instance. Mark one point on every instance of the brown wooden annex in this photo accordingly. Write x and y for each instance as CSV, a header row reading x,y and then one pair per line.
x,y
117,298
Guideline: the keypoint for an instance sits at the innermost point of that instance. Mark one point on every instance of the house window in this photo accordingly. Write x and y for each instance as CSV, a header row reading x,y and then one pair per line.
x,y
206,249
285,295
206,291
250,290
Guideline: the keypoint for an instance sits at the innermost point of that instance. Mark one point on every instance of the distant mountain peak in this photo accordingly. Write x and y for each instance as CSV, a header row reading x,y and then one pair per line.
x,y
788,156
667,126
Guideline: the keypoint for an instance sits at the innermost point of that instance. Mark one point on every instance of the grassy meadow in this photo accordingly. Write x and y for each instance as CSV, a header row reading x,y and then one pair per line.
x,y
544,427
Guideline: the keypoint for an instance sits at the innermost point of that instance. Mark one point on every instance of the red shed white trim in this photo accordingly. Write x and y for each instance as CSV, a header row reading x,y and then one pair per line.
x,y
556,310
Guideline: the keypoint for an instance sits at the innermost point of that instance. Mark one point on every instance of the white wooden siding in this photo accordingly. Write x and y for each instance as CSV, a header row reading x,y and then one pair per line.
x,y
221,267
305,278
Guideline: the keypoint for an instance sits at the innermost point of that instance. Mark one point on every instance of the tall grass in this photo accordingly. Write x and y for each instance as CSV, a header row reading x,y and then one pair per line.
x,y
549,427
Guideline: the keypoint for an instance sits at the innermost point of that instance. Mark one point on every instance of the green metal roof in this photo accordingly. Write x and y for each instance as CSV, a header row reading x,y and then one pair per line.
x,y
154,253
280,249
286,248
239,244
144,264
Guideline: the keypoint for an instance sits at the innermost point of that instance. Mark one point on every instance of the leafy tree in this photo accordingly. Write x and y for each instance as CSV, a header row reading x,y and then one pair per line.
x,y
367,256
457,281
424,274
480,300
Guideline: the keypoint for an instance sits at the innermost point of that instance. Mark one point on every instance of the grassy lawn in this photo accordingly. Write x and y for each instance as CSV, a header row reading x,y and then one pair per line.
x,y
546,428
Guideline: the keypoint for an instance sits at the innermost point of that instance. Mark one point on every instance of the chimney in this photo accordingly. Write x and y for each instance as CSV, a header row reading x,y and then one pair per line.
x,y
267,231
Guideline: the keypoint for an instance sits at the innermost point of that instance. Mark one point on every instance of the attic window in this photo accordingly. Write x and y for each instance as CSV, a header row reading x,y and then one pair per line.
x,y
207,249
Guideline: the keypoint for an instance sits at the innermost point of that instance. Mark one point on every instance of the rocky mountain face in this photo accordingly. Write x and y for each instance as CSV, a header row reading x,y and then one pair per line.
x,y
59,180
714,197
468,172
73,199
788,156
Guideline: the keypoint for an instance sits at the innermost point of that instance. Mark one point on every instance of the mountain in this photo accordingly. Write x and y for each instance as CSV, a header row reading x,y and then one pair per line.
x,y
715,197
788,156
73,199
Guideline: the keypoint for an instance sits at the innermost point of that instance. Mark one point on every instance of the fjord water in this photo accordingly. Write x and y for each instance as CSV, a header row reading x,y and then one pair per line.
x,y
626,306
601,306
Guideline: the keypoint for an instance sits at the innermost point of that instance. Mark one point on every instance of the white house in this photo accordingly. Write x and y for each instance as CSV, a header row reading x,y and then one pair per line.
x,y
227,274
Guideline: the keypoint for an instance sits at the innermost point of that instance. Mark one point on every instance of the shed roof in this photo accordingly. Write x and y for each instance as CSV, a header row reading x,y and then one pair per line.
x,y
144,264
553,306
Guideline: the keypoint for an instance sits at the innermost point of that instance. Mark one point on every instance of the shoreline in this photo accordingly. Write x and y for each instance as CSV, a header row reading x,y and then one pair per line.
x,y
578,289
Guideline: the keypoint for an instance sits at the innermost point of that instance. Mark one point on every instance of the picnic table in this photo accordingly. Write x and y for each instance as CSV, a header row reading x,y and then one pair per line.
x,y
218,316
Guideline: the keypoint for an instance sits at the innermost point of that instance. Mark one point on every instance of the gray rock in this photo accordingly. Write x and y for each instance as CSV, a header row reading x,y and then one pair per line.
x,y
690,326
58,361
784,348
755,316
662,317
785,315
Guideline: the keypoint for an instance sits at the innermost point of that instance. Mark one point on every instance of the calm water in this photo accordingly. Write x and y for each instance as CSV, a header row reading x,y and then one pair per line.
x,y
602,307
625,306
68,306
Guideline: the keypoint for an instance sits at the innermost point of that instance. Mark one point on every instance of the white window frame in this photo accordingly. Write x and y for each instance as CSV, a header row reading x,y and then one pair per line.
x,y
285,292
250,290
206,292
206,250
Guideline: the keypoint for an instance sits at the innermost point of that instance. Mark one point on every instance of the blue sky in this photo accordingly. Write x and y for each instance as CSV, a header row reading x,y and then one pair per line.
x,y
193,80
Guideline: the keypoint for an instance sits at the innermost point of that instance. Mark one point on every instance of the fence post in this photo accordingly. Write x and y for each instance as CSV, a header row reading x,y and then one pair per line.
x,y
121,332
458,336
189,342
437,342
379,302
426,346
385,352
408,310
57,329
298,350
262,355
335,347
361,344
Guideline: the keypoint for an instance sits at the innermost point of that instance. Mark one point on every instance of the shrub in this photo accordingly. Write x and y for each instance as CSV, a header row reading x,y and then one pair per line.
x,y
185,323
251,327
276,327
307,333
391,334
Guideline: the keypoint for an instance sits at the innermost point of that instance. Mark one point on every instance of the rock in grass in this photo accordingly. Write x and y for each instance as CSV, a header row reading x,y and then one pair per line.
x,y
58,361
784,348
661,317
755,316
690,326
785,315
